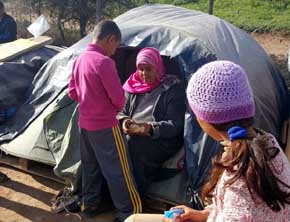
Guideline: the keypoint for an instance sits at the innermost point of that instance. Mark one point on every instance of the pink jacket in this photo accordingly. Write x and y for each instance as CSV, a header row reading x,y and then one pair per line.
x,y
96,86
235,203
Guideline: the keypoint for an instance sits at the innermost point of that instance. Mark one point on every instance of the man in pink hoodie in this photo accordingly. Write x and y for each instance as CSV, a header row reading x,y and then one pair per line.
x,y
96,86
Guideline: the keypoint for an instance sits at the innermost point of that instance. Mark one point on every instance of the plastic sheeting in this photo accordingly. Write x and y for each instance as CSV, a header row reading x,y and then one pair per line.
x,y
16,76
191,39
194,38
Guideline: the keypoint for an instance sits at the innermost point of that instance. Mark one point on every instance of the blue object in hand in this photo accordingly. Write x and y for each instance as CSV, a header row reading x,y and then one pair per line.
x,y
170,213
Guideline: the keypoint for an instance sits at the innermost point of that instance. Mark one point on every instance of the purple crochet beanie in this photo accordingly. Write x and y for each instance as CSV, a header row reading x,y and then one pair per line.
x,y
219,92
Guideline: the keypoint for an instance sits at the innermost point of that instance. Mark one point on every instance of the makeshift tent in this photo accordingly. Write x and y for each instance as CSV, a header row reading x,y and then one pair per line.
x,y
45,126
16,75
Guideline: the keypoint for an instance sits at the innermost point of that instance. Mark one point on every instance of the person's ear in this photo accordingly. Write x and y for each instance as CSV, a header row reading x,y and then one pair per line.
x,y
115,40
111,39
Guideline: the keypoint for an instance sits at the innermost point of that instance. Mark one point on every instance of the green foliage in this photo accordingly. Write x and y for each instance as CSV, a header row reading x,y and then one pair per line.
x,y
250,15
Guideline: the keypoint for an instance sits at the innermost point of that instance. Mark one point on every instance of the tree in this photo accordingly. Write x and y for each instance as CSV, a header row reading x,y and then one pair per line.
x,y
100,4
71,10
39,8
83,16
78,14
210,9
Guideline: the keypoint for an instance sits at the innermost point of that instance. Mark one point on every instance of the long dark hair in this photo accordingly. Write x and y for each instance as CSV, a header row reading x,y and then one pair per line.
x,y
250,158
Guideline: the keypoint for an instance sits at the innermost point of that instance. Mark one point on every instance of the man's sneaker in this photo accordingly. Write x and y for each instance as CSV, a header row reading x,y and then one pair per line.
x,y
67,201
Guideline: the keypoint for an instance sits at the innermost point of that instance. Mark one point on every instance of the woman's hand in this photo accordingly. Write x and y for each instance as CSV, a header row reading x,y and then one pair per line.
x,y
130,127
126,126
144,129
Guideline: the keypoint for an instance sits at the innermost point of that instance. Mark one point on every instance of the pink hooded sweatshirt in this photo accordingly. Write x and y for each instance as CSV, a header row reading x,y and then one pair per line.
x,y
96,86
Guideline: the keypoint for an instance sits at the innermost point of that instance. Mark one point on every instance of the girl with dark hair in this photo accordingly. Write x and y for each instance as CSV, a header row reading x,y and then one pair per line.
x,y
250,179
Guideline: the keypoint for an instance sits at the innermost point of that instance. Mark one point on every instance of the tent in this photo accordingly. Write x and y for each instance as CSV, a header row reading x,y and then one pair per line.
x,y
45,126
17,74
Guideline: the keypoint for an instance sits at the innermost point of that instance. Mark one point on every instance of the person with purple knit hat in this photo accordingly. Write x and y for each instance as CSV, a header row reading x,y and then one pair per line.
x,y
250,180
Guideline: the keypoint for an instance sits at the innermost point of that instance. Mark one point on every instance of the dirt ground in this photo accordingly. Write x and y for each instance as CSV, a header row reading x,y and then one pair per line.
x,y
27,198
277,46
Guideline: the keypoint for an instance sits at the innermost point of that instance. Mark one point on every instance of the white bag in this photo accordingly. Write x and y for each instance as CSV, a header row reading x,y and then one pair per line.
x,y
39,26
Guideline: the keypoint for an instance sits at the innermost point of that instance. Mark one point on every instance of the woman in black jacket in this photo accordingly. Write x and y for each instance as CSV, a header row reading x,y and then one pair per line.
x,y
153,116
